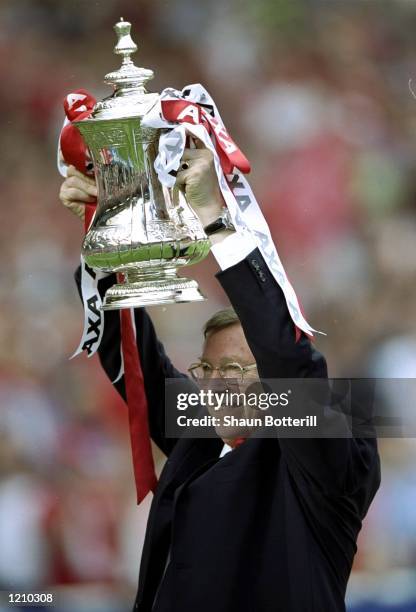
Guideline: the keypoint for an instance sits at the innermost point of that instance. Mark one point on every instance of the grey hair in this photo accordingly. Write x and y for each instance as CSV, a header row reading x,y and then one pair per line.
x,y
220,320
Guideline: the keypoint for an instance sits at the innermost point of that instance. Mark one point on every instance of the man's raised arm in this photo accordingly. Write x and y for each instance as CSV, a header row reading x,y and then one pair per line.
x,y
338,465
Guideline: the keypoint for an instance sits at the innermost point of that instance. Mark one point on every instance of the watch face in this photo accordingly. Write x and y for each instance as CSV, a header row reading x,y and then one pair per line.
x,y
226,217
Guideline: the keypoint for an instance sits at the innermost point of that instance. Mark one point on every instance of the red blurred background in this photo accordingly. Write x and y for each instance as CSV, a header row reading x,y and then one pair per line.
x,y
316,94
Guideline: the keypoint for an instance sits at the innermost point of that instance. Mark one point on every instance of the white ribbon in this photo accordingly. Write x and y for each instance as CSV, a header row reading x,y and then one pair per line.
x,y
60,162
93,312
238,196
93,330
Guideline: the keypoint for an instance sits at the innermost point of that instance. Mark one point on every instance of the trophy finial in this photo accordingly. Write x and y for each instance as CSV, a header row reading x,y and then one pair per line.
x,y
128,76
125,44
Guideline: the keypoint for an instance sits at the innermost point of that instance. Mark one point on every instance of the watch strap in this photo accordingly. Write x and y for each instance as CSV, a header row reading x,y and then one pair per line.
x,y
223,222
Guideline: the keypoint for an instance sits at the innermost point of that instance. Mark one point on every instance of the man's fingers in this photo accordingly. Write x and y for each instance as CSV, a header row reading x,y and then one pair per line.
x,y
78,182
73,194
197,165
203,153
78,208
198,143
181,178
191,154
73,172
76,191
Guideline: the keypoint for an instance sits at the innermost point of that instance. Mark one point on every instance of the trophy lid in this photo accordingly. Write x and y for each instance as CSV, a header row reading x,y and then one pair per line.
x,y
129,98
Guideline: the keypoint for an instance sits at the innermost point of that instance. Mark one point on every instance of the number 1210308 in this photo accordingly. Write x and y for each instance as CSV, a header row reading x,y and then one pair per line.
x,y
30,598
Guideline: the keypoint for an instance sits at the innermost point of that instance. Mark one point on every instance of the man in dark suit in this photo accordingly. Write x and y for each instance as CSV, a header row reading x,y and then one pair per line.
x,y
270,526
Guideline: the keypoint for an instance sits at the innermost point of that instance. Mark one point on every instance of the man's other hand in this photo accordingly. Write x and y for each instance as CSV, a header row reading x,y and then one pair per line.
x,y
76,191
198,179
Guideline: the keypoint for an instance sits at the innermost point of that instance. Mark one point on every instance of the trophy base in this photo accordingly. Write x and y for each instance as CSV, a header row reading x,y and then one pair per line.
x,y
167,290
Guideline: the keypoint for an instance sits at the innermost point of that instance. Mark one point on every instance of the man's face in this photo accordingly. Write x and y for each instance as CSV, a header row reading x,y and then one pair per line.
x,y
221,348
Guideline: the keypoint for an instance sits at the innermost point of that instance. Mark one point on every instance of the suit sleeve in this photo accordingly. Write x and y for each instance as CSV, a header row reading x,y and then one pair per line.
x,y
156,365
336,465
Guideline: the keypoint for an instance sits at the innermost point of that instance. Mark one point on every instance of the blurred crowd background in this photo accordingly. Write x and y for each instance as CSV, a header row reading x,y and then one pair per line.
x,y
317,96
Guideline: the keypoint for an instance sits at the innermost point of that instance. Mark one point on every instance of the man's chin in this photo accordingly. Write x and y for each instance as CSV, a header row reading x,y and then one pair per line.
x,y
231,433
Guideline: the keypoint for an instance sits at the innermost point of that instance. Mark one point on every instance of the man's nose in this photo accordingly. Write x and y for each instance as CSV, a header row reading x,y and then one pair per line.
x,y
211,373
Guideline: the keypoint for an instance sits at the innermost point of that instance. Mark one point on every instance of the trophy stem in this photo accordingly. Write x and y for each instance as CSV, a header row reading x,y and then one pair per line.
x,y
151,288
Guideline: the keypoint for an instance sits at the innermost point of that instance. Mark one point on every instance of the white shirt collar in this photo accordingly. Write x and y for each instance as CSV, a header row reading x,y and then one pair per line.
x,y
225,449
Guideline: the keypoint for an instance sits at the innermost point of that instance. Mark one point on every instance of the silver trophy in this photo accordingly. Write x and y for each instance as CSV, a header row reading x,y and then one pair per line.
x,y
141,228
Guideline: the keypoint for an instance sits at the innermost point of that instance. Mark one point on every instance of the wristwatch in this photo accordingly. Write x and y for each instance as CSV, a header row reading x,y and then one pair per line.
x,y
223,222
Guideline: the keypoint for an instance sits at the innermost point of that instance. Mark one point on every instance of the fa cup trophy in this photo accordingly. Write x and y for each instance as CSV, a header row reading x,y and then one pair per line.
x,y
141,229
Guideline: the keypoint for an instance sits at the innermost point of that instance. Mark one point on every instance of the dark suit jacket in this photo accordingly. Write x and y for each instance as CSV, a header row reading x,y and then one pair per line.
x,y
271,526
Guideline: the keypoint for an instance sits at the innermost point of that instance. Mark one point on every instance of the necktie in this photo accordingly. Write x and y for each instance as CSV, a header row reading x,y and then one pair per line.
x,y
143,464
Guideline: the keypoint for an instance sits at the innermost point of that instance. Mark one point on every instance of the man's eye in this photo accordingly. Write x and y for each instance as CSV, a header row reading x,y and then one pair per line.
x,y
205,367
232,371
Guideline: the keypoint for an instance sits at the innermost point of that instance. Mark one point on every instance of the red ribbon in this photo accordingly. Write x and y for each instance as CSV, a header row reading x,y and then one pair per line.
x,y
230,155
236,442
79,105
143,465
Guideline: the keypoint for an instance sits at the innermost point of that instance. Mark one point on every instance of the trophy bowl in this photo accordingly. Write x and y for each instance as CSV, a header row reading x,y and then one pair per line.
x,y
141,230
